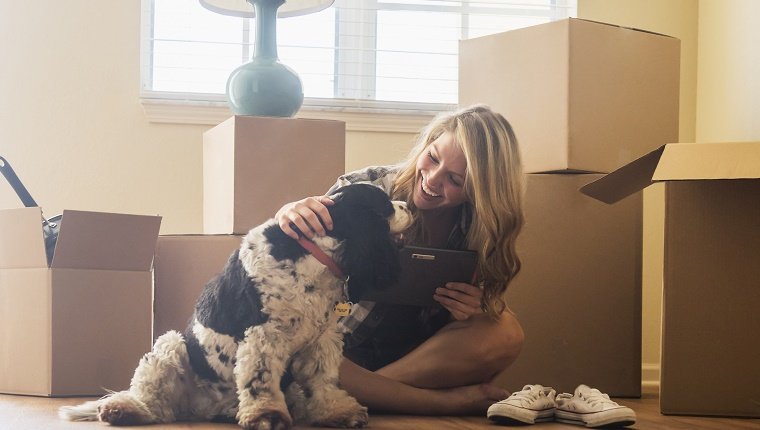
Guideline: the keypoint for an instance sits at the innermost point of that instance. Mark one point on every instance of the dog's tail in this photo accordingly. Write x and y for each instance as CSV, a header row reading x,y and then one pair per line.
x,y
116,408
152,392
87,411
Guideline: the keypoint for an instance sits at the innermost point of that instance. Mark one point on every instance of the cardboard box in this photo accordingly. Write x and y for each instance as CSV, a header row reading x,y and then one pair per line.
x,y
581,95
254,165
578,294
184,264
711,301
79,326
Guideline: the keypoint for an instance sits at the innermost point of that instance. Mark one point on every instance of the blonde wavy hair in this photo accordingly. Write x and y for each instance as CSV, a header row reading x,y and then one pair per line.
x,y
494,188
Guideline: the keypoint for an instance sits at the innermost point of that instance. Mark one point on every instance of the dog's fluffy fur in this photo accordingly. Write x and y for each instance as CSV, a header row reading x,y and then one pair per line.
x,y
267,320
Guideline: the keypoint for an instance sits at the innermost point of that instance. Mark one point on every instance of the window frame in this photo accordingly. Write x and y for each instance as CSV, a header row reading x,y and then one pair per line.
x,y
360,114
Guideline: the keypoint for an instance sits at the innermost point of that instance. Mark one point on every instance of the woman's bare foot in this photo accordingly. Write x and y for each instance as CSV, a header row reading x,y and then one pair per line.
x,y
471,399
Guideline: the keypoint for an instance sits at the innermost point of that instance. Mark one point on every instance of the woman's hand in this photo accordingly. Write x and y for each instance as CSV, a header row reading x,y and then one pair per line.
x,y
310,215
462,300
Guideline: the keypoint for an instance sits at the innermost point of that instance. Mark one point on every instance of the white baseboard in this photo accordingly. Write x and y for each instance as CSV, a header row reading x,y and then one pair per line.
x,y
650,375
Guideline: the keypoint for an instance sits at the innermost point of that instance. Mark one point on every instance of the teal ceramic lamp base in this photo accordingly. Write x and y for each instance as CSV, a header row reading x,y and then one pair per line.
x,y
264,87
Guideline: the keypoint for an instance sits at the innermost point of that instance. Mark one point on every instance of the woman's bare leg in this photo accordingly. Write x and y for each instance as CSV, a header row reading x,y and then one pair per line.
x,y
381,394
462,353
446,375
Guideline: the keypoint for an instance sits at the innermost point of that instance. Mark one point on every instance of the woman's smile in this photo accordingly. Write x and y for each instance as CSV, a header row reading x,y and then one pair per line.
x,y
427,191
441,171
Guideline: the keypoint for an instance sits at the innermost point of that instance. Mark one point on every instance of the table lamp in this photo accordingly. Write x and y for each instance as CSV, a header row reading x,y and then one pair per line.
x,y
264,86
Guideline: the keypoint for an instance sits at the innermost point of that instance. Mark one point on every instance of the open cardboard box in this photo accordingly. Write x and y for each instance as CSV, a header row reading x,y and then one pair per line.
x,y
711,301
80,325
581,95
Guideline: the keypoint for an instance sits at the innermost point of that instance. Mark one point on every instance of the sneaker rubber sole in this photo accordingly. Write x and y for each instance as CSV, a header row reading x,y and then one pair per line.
x,y
619,417
510,414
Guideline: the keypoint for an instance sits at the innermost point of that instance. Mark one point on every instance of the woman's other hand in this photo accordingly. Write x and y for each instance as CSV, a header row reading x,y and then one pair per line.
x,y
462,300
310,215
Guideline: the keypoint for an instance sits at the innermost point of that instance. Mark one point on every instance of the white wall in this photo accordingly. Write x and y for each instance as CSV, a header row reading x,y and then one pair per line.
x,y
71,122
728,94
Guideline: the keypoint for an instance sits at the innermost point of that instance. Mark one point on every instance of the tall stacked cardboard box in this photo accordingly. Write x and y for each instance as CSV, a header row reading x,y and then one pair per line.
x,y
251,167
584,98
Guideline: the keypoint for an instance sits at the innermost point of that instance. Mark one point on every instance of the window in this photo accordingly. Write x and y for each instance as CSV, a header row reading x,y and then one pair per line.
x,y
357,54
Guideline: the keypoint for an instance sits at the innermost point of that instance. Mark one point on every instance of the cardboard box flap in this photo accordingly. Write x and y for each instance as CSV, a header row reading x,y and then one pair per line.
x,y
679,162
106,241
21,244
700,161
633,177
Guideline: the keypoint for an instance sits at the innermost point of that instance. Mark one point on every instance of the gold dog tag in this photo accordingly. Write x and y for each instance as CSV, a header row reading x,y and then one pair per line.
x,y
343,309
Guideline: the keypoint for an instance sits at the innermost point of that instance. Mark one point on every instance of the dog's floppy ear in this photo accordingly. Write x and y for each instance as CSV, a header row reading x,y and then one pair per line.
x,y
369,256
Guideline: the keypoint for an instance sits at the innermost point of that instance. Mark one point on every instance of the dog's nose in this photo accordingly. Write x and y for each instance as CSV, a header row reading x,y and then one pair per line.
x,y
399,205
401,218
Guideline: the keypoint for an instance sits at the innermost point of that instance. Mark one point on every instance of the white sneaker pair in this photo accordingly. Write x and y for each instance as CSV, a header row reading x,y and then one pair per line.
x,y
587,407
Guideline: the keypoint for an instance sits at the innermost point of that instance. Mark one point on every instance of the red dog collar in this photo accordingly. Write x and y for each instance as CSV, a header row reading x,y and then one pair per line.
x,y
320,255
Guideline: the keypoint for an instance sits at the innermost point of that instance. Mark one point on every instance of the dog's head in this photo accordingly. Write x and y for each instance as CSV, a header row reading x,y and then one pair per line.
x,y
364,218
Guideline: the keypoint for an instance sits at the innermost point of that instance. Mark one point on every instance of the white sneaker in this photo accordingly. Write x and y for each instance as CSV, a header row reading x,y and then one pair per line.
x,y
591,408
533,404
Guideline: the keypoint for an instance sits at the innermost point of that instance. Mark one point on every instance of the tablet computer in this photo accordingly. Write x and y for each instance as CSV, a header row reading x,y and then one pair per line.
x,y
422,271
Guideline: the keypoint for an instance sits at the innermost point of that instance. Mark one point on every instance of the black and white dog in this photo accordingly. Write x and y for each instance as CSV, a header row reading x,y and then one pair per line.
x,y
267,320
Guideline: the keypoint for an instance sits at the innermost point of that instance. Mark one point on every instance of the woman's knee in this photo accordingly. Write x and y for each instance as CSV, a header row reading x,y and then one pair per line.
x,y
503,342
513,336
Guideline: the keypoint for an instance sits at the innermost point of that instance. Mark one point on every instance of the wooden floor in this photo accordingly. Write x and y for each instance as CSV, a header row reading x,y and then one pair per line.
x,y
36,413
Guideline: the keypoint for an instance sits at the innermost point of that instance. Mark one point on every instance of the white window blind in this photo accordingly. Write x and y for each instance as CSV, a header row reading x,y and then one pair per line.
x,y
369,54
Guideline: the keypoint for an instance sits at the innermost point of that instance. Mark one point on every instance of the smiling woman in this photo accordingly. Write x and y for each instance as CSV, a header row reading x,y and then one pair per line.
x,y
462,183
377,53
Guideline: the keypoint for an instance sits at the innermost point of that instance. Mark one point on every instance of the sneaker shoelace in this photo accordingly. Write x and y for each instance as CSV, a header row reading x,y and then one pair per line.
x,y
596,397
527,396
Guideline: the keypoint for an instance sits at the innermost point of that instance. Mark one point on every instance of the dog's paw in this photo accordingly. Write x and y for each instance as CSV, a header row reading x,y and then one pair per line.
x,y
118,414
112,414
266,420
123,410
348,418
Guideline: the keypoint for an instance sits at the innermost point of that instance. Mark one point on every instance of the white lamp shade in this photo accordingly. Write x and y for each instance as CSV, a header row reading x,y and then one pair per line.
x,y
244,9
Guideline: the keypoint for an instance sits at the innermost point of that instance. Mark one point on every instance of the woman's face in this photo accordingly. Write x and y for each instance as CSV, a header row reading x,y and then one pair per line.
x,y
441,171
